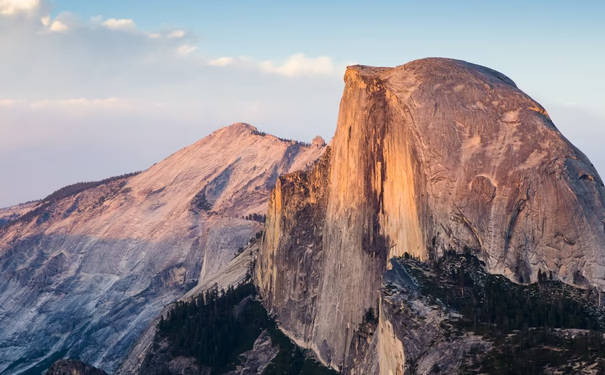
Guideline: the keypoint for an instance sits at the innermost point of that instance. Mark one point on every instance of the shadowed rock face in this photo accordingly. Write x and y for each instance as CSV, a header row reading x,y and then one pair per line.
x,y
83,276
70,367
432,155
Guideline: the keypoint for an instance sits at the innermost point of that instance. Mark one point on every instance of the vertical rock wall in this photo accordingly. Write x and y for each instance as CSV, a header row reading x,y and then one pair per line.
x,y
433,155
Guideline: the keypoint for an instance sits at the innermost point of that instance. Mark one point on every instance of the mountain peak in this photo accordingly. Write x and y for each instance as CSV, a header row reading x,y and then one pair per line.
x,y
242,127
236,129
429,69
318,141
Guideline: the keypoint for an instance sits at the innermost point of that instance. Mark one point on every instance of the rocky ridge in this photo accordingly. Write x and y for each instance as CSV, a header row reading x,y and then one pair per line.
x,y
84,273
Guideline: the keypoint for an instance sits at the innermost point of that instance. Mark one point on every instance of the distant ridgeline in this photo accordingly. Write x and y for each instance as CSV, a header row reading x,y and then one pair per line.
x,y
79,187
66,192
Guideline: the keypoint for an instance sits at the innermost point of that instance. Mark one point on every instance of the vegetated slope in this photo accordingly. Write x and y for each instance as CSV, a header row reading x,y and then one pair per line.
x,y
225,332
232,274
9,214
85,271
451,316
433,155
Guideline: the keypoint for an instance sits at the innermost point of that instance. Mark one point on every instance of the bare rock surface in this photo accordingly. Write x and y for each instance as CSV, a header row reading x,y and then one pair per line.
x,y
10,213
254,362
433,155
71,367
83,275
414,335
232,274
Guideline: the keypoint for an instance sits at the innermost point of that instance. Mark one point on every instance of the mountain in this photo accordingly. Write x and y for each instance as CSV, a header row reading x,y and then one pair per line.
x,y
430,157
85,270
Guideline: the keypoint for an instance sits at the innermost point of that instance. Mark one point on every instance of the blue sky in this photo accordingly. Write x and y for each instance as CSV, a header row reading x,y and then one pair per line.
x,y
97,88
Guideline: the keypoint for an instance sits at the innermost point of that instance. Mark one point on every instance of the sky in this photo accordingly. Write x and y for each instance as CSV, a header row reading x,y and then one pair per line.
x,y
91,89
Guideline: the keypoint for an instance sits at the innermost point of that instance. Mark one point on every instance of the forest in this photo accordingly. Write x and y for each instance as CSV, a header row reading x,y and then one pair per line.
x,y
216,327
529,325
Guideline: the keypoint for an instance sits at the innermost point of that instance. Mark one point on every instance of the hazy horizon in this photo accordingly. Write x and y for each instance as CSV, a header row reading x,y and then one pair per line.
x,y
100,88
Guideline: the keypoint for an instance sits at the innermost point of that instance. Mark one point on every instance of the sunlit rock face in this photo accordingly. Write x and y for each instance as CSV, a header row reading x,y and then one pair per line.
x,y
432,155
82,277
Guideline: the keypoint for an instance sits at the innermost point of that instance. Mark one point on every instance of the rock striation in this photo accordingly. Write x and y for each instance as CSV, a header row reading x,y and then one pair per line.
x,y
430,156
84,272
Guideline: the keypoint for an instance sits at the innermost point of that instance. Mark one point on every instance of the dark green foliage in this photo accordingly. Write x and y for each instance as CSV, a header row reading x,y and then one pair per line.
x,y
530,351
200,202
528,325
291,359
370,316
208,329
256,217
217,327
494,303
263,134
79,187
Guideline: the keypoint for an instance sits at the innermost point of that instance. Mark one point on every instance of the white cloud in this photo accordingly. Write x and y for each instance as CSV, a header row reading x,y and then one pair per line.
x,y
185,49
222,61
7,102
111,102
96,20
58,26
296,65
299,64
120,24
176,34
154,35
15,6
45,20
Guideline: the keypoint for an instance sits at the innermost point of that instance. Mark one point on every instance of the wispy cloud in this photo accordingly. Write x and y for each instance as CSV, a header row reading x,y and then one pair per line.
x,y
299,64
120,24
112,102
222,61
7,102
176,34
9,7
296,65
185,49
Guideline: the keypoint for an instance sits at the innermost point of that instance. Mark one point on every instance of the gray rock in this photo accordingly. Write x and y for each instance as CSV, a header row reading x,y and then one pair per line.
x,y
83,276
432,155
254,362
145,359
71,367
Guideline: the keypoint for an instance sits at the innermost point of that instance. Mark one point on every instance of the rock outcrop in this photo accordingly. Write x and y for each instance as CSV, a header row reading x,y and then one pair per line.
x,y
433,155
71,367
84,272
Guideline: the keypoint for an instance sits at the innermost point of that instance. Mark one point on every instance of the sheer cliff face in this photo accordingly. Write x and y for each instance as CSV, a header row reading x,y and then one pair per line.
x,y
84,276
433,155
